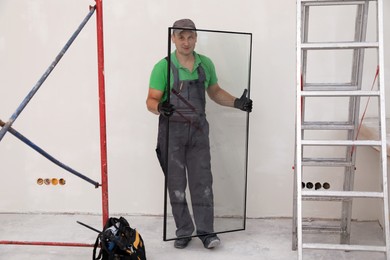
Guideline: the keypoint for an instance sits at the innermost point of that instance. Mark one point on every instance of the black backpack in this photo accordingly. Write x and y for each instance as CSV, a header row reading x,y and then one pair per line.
x,y
119,241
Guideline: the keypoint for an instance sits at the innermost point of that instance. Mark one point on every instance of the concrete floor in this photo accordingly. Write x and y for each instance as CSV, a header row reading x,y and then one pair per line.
x,y
262,239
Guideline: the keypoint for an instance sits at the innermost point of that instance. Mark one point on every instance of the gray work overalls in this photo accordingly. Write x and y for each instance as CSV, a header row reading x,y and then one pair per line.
x,y
188,155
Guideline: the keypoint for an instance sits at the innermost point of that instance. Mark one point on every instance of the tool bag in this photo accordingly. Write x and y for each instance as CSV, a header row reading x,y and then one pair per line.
x,y
118,241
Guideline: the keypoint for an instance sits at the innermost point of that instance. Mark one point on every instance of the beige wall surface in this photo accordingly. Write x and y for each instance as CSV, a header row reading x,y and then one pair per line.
x,y
63,117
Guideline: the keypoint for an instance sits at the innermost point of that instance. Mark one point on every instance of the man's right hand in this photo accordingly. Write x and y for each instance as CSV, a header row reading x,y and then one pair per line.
x,y
166,109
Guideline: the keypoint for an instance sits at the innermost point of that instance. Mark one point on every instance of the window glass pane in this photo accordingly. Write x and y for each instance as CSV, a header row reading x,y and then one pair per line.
x,y
207,155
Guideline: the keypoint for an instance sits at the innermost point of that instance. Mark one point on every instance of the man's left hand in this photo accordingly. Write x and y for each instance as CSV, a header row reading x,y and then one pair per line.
x,y
244,103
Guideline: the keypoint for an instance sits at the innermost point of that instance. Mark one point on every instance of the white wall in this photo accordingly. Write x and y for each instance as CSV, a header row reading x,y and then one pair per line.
x,y
63,117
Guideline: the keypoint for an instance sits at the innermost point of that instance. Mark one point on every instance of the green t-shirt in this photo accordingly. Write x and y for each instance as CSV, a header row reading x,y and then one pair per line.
x,y
159,80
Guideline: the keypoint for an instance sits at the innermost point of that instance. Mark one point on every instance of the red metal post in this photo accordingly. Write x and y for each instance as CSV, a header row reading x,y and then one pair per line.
x,y
102,109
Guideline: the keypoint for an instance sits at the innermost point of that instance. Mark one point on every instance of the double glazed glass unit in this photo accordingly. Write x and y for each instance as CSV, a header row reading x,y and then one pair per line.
x,y
228,134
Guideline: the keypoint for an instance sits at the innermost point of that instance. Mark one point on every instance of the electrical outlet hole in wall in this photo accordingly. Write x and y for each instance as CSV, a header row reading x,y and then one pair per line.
x,y
317,186
52,181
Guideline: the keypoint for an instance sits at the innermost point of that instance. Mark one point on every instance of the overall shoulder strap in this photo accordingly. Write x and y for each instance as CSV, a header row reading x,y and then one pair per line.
x,y
175,73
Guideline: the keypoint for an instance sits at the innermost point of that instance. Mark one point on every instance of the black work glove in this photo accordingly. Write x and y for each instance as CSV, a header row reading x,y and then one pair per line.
x,y
243,103
166,109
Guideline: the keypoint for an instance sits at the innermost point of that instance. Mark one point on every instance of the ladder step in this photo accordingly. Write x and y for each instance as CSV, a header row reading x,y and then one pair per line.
x,y
344,247
341,93
343,194
341,143
338,45
333,2
321,228
332,199
329,87
332,162
327,125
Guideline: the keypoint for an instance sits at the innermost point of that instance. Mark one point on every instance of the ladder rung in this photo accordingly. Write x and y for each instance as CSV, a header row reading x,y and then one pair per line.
x,y
336,2
343,194
341,142
322,199
334,162
327,125
333,2
344,247
329,87
321,228
341,93
338,45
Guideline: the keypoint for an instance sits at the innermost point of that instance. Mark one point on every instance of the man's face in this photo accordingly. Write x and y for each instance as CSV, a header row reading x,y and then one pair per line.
x,y
185,42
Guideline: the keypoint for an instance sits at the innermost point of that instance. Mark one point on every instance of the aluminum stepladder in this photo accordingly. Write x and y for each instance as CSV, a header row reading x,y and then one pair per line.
x,y
353,91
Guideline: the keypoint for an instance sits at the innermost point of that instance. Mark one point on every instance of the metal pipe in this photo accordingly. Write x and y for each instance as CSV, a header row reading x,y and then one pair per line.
x,y
35,89
102,109
34,243
48,156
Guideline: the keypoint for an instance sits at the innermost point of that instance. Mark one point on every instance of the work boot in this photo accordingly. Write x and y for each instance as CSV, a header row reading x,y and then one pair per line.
x,y
182,242
211,242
